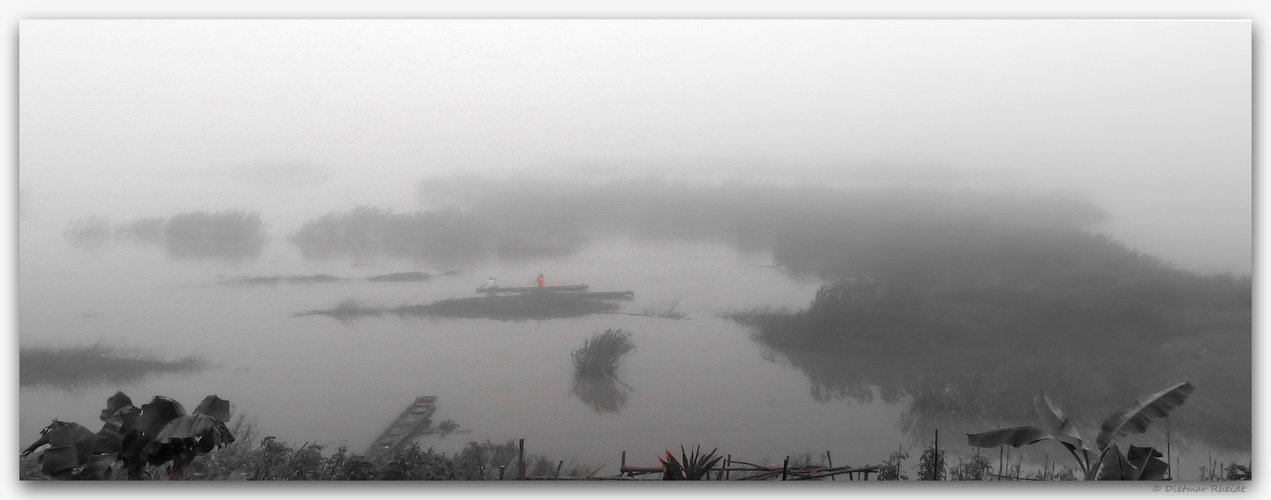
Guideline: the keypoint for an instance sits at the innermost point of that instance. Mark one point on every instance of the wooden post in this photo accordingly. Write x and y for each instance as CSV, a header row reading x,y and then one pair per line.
x,y
623,463
558,466
501,469
785,466
1169,470
520,459
830,460
999,462
728,473
935,471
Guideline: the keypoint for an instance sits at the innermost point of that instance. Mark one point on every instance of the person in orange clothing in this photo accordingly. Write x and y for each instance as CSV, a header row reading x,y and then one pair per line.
x,y
540,280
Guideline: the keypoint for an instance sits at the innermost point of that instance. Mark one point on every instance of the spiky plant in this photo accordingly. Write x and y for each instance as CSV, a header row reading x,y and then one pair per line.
x,y
601,354
692,467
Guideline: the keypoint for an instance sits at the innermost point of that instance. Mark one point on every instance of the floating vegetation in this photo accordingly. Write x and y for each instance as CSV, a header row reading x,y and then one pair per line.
x,y
80,366
603,352
603,392
274,280
408,276
527,306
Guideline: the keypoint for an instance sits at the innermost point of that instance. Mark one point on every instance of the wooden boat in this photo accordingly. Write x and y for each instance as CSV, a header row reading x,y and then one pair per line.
x,y
522,289
415,418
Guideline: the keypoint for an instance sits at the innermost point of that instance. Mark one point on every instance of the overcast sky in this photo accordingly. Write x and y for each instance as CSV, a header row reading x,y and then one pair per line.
x,y
1149,119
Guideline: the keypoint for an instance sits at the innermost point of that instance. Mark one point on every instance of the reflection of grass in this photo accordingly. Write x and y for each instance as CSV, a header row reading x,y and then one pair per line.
x,y
601,354
604,393
71,367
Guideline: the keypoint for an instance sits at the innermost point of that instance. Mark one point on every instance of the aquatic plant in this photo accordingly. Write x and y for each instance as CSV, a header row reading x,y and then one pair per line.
x,y
1107,462
603,352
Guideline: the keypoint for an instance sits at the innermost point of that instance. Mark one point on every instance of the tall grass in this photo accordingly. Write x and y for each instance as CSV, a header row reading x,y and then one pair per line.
x,y
603,352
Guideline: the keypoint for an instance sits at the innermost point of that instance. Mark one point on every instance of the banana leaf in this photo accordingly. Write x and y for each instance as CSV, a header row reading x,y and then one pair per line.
x,y
59,461
1011,436
154,416
1116,467
1148,461
1062,429
206,429
215,407
1055,421
76,436
116,403
1136,418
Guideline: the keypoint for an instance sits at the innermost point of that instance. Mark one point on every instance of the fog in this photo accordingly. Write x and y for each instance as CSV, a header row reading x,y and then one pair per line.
x,y
907,224
1149,120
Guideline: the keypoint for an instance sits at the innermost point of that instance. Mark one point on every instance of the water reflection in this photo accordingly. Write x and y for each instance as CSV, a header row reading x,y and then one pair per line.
x,y
603,392
972,391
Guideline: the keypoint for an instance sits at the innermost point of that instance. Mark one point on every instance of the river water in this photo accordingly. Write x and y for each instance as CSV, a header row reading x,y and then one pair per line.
x,y
700,380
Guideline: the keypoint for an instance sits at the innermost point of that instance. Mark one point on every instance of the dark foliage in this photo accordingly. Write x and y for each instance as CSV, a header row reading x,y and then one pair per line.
x,y
158,435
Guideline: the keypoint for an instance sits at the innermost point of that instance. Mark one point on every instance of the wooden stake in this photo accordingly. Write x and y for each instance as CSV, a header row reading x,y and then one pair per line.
x,y
727,472
785,466
558,466
830,461
1168,461
520,459
501,469
935,471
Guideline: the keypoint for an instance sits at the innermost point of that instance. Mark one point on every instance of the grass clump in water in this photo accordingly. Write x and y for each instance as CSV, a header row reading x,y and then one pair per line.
x,y
601,354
